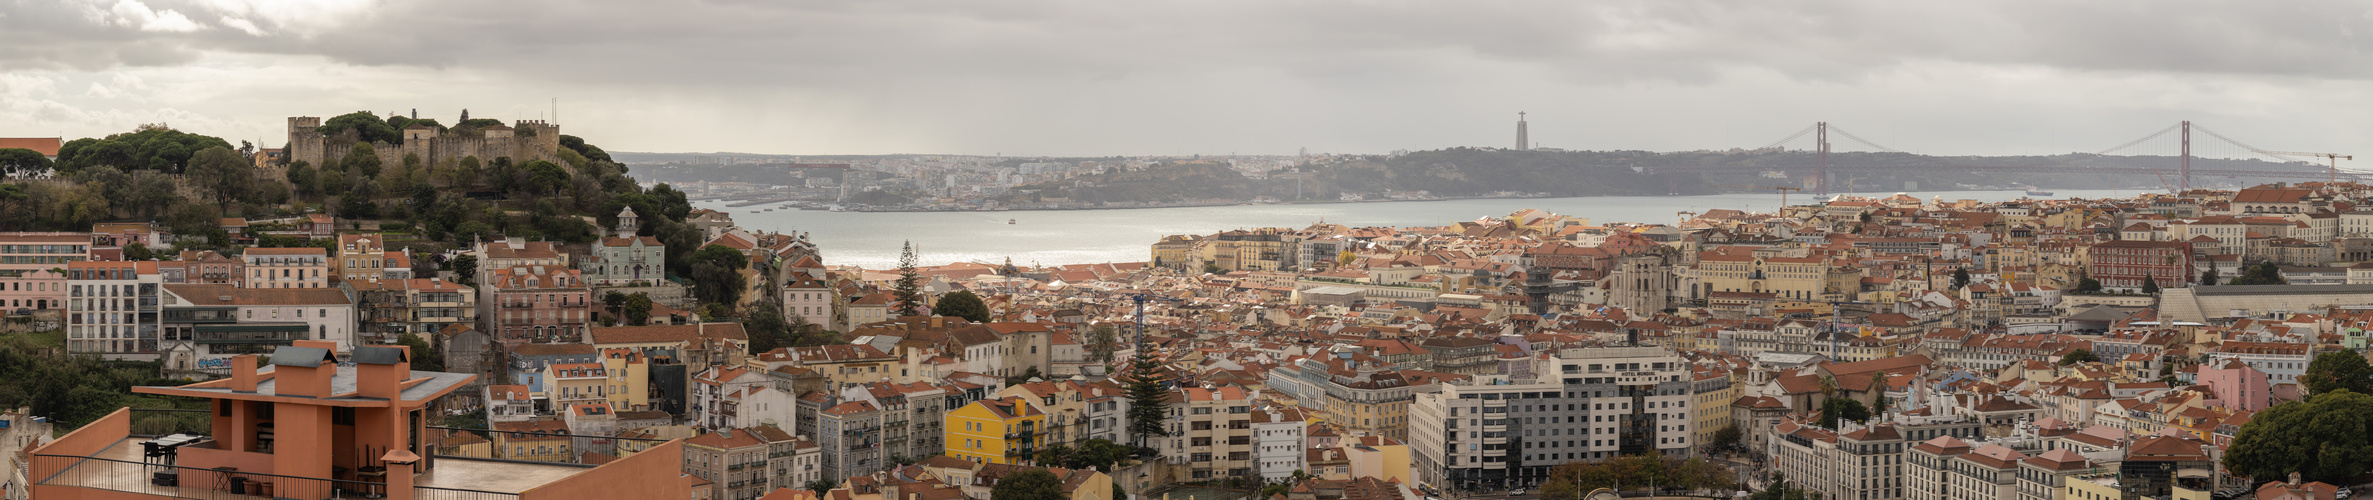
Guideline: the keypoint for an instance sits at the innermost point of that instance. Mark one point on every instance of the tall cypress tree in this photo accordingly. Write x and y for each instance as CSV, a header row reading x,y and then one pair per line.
x,y
1149,402
909,288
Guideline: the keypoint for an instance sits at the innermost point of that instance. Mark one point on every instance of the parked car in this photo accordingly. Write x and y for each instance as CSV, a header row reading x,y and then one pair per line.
x,y
1516,492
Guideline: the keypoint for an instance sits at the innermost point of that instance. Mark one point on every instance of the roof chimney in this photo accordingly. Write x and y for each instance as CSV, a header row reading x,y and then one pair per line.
x,y
243,376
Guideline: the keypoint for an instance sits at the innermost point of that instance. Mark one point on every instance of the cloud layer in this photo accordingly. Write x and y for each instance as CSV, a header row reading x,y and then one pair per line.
x,y
1141,77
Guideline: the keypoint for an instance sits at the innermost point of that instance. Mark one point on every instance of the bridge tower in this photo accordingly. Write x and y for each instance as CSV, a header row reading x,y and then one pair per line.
x,y
1821,166
2186,183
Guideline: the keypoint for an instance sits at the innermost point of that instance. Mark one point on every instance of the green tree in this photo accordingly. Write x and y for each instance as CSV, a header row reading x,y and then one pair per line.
x,y
1835,409
153,192
21,161
152,147
111,182
1149,398
613,301
2078,356
962,303
1025,377
303,178
588,150
366,126
12,200
2328,437
472,231
638,309
908,290
2208,277
424,198
1727,436
2262,273
137,251
424,356
355,205
361,160
716,275
1029,484
1103,454
1960,277
766,327
1054,455
1103,340
223,174
466,173
465,269
2088,285
2150,285
196,219
2344,369
822,485
545,178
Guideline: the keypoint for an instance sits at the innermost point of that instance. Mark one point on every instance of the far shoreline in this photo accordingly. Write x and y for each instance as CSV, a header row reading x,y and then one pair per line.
x,y
1341,202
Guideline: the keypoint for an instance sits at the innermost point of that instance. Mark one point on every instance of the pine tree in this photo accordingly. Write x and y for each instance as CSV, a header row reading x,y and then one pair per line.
x,y
908,292
1960,277
1149,401
2150,285
2208,277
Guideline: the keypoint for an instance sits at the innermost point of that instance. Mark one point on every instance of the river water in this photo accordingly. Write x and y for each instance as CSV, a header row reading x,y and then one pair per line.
x,y
872,239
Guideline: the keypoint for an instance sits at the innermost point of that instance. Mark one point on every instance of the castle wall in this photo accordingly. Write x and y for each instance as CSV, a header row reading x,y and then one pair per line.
x,y
307,144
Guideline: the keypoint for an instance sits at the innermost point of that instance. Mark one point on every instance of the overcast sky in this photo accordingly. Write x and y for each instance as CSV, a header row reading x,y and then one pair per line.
x,y
1107,77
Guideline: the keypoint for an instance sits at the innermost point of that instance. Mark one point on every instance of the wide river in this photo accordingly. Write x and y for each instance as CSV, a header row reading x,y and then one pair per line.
x,y
871,239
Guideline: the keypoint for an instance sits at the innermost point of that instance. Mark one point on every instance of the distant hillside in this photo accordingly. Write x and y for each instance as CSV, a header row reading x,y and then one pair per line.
x,y
1162,183
1471,171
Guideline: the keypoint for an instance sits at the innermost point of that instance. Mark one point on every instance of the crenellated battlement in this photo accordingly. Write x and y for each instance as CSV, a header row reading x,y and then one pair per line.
x,y
529,140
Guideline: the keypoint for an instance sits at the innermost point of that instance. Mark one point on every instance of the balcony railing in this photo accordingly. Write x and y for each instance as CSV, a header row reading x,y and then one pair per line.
x,y
208,484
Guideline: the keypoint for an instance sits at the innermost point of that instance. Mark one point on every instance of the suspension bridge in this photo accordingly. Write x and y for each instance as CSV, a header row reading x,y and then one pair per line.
x,y
2174,144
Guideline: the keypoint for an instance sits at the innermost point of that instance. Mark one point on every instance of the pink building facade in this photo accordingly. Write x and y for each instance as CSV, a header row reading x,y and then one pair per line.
x,y
2241,387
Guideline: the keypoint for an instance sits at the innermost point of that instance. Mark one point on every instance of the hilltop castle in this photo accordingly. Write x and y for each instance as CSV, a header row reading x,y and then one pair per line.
x,y
529,140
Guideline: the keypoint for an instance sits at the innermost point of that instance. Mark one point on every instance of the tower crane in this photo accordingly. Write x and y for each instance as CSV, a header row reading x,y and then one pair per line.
x,y
2333,158
1784,190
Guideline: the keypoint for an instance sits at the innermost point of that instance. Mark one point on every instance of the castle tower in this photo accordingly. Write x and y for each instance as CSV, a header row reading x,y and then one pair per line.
x,y
1522,142
305,140
628,223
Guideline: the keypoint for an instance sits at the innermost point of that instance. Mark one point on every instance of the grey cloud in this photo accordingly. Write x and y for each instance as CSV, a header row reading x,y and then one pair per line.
x,y
791,43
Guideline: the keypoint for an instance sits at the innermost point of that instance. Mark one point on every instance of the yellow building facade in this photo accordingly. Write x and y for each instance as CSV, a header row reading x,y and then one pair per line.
x,y
995,431
1801,278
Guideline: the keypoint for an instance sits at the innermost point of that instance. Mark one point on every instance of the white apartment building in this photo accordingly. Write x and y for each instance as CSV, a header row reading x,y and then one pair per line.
x,y
1277,443
111,309
1586,404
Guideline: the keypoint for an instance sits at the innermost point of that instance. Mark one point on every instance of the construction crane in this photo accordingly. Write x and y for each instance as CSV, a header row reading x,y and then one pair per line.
x,y
2334,158
1685,216
1784,190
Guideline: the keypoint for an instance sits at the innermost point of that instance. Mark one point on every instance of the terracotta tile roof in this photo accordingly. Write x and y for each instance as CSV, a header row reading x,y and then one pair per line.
x,y
667,333
47,146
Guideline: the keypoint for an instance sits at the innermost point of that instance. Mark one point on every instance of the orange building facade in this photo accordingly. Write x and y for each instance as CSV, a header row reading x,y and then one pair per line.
x,y
314,426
